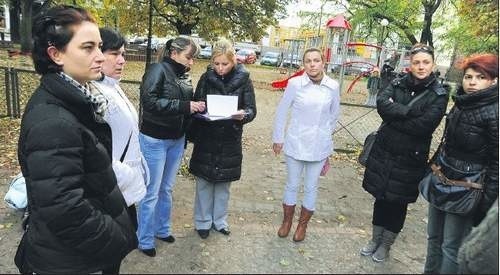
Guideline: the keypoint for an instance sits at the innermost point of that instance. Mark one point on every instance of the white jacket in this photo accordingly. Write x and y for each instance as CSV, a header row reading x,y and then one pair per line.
x,y
314,110
132,174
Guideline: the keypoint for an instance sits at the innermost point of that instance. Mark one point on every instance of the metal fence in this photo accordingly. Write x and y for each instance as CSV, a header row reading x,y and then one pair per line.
x,y
356,120
19,84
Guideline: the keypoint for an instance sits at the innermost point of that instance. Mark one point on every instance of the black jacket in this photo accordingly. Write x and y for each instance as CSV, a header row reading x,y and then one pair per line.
x,y
166,92
398,159
471,141
217,152
78,220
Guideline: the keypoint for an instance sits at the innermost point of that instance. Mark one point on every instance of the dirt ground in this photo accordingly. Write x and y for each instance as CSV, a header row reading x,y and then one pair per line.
x,y
340,226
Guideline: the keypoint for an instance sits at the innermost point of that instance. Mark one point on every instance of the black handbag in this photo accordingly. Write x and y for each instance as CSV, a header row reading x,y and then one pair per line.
x,y
367,147
370,139
459,196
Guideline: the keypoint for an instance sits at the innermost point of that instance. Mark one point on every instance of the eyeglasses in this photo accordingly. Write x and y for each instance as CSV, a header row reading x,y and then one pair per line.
x,y
424,48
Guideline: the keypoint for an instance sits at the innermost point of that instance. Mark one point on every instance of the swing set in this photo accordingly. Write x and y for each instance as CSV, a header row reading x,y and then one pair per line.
x,y
338,29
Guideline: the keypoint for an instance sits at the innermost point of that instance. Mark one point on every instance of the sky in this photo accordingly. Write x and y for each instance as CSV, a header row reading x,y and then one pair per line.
x,y
304,5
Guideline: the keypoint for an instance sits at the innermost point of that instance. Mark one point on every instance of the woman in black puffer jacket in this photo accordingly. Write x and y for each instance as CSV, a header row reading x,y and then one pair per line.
x,y
470,144
217,152
78,221
398,159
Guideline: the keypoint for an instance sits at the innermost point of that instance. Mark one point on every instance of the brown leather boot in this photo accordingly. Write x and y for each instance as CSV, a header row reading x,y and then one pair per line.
x,y
288,211
300,232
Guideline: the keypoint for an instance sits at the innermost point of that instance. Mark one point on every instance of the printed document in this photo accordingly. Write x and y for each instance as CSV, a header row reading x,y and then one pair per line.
x,y
221,107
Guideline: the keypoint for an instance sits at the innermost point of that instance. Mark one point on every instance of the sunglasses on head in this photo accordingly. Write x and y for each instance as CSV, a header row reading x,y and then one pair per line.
x,y
426,49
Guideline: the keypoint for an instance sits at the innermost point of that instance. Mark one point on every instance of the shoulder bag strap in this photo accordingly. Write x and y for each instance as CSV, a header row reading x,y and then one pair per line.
x,y
410,103
418,97
126,148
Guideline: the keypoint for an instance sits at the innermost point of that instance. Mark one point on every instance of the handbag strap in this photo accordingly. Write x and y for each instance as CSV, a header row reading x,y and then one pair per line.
x,y
126,148
409,104
436,169
418,97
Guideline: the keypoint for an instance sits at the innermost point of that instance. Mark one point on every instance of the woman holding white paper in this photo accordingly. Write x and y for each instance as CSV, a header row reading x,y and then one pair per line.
x,y
217,152
314,103
166,108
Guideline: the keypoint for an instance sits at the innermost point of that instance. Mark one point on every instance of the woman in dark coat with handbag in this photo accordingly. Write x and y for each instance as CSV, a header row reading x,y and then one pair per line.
x,y
398,158
470,144
217,151
78,220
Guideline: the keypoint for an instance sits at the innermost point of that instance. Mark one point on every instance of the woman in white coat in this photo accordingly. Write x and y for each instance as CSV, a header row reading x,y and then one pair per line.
x,y
314,103
128,163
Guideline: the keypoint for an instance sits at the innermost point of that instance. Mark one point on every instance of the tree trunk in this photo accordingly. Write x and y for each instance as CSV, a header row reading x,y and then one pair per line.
x,y
14,11
452,74
184,29
430,7
426,36
27,12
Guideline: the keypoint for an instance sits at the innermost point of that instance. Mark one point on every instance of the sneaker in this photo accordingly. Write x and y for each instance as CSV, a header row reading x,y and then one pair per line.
x,y
149,252
168,239
203,233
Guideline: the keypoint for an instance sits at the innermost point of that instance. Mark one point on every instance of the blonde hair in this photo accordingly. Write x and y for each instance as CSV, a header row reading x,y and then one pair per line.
x,y
223,47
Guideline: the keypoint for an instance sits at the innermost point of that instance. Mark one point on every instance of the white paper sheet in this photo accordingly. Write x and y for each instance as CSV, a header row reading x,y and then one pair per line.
x,y
221,106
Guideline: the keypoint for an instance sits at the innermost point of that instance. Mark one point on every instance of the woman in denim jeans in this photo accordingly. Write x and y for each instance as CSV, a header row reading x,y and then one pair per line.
x,y
471,143
166,104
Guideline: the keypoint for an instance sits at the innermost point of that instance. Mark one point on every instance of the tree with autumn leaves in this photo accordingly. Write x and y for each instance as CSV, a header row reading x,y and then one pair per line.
x,y
471,25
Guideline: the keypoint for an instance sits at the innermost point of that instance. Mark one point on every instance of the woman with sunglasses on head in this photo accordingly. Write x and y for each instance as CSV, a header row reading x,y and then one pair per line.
x,y
398,159
166,105
470,144
78,220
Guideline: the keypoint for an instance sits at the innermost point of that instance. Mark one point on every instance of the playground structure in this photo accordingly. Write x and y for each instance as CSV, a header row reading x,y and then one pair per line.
x,y
341,54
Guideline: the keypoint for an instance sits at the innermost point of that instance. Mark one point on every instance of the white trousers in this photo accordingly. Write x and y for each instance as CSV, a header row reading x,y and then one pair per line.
x,y
311,176
210,204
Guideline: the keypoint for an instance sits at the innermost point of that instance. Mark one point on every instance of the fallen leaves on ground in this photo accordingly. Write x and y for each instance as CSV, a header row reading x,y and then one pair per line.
x,y
9,136
341,218
284,262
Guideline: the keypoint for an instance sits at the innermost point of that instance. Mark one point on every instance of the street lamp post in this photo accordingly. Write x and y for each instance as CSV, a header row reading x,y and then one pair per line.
x,y
384,22
150,26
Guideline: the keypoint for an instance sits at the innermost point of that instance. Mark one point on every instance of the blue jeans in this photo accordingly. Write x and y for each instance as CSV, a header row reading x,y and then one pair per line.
x,y
163,157
445,234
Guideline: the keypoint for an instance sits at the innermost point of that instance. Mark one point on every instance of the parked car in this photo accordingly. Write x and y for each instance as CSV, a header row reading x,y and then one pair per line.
x,y
293,61
155,45
352,69
358,68
136,40
205,53
246,56
271,59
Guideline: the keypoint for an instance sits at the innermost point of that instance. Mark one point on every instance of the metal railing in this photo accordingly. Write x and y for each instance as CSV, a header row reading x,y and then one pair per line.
x,y
19,85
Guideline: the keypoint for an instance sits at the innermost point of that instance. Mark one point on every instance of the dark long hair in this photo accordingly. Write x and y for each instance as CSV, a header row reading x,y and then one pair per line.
x,y
179,44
